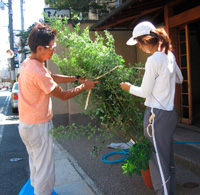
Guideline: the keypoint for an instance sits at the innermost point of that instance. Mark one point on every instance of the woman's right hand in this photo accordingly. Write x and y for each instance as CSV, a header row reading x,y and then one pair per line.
x,y
89,84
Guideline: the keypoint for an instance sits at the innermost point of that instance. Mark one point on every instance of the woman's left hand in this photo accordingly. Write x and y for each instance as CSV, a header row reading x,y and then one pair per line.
x,y
125,86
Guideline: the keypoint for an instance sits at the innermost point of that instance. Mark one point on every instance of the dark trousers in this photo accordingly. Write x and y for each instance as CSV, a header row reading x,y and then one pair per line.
x,y
164,127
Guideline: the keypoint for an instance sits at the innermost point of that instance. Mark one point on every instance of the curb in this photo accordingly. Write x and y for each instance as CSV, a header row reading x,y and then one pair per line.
x,y
79,170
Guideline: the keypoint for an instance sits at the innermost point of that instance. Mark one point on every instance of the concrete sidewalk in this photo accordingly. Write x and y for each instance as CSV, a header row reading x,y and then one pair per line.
x,y
70,178
187,153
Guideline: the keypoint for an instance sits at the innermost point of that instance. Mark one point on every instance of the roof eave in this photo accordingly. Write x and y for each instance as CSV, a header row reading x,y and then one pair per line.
x,y
124,5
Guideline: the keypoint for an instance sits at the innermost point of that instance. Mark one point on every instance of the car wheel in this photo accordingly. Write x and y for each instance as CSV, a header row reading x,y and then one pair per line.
x,y
15,110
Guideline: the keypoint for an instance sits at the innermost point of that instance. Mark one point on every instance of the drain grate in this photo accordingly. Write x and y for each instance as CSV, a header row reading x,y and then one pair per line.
x,y
190,185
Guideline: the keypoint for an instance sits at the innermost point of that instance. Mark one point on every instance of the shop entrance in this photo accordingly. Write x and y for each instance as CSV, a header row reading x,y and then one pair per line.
x,y
189,60
194,44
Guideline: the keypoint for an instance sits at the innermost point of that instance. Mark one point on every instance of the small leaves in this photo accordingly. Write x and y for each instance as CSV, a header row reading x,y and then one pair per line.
x,y
139,159
75,132
82,56
118,113
23,39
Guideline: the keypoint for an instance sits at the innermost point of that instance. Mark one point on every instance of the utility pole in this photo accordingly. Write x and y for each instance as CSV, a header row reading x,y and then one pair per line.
x,y
22,26
11,38
22,15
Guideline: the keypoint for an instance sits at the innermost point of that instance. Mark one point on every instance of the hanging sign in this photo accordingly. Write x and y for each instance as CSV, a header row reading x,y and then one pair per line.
x,y
52,12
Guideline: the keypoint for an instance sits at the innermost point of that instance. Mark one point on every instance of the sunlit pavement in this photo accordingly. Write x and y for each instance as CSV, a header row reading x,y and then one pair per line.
x,y
14,164
14,159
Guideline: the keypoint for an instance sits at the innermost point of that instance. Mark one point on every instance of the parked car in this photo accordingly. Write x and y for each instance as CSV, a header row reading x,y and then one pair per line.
x,y
14,98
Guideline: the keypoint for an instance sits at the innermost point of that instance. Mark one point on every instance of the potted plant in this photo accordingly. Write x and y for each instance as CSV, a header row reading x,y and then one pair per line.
x,y
118,113
138,161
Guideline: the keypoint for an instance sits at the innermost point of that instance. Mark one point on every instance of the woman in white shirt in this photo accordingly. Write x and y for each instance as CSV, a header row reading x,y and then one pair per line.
x,y
158,87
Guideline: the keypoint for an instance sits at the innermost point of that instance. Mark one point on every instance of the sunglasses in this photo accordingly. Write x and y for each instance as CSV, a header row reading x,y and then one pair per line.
x,y
51,47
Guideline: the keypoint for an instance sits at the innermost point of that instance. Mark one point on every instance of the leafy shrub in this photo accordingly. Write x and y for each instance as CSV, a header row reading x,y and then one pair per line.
x,y
114,108
118,113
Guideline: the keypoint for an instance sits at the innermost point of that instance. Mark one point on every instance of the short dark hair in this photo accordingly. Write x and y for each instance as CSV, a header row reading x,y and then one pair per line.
x,y
41,35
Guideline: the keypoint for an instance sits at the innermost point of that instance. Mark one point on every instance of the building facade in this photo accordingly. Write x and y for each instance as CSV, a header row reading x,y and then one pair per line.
x,y
181,19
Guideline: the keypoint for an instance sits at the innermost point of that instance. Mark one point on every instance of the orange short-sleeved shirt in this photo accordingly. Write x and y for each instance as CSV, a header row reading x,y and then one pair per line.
x,y
35,85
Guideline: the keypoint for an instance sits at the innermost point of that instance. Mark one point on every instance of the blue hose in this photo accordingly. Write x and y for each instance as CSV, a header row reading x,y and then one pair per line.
x,y
125,152
182,142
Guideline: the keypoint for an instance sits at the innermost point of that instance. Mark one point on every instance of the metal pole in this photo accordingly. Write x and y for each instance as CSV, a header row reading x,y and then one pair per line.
x,y
23,56
22,15
11,38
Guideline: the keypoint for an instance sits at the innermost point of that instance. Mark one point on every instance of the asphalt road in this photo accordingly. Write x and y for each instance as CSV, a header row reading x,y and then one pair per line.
x,y
13,174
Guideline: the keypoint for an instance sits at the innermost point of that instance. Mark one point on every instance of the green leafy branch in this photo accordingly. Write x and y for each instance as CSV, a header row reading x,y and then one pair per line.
x,y
77,131
139,159
119,114
23,39
115,109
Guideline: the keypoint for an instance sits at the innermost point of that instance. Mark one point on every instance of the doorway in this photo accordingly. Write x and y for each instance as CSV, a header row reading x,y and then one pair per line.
x,y
189,61
194,44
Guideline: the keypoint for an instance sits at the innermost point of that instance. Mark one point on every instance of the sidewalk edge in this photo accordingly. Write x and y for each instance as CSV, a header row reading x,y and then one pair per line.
x,y
79,170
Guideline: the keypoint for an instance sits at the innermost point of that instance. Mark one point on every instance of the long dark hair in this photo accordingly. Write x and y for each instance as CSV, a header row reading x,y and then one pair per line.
x,y
156,36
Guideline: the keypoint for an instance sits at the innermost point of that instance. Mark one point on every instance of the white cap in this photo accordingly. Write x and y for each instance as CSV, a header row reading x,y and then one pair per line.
x,y
143,28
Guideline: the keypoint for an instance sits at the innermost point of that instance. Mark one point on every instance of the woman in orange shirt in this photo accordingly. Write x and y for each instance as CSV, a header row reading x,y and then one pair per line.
x,y
36,84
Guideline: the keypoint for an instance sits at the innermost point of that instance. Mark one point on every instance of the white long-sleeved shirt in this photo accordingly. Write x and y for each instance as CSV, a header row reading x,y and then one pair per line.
x,y
159,81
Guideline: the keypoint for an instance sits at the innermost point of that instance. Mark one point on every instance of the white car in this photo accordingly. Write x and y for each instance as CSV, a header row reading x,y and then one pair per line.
x,y
14,98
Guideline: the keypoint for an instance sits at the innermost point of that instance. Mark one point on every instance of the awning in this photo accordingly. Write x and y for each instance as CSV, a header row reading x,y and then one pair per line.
x,y
132,12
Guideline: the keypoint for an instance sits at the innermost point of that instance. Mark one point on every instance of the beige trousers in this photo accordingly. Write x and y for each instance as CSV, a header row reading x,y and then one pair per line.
x,y
39,145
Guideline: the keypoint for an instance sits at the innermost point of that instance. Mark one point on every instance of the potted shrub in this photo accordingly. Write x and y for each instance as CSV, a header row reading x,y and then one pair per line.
x,y
138,161
118,113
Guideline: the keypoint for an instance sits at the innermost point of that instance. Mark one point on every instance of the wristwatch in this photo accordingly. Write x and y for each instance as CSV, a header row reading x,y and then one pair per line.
x,y
77,77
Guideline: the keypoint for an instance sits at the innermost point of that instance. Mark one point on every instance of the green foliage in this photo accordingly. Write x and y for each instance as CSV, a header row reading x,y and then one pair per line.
x,y
118,113
83,7
73,131
114,108
69,4
139,159
23,38
76,132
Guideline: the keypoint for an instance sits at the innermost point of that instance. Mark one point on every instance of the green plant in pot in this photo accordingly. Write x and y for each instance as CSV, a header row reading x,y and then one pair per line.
x,y
119,114
139,160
